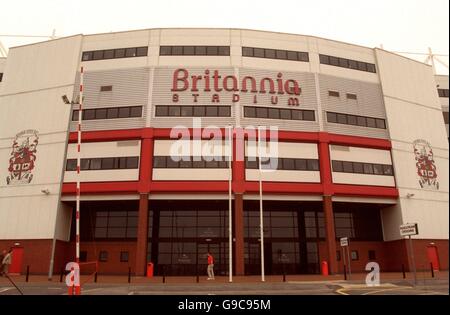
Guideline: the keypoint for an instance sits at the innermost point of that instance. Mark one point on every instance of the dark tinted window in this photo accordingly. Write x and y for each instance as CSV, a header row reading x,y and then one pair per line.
x,y
136,111
124,112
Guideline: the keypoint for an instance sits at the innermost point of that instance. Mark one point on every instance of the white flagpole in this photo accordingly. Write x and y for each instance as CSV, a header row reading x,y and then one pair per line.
x,y
230,219
261,222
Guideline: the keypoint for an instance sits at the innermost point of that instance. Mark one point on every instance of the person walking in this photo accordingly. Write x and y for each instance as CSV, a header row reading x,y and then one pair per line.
x,y
210,268
6,262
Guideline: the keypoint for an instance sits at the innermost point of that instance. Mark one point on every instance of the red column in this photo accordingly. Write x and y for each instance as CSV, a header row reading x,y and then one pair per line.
x,y
327,182
239,234
142,236
238,190
145,175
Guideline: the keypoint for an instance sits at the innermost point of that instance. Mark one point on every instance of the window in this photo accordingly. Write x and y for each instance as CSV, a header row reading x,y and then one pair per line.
x,y
108,54
109,113
351,96
89,114
106,88
441,92
277,113
192,111
103,256
362,168
270,53
354,255
136,111
106,163
188,162
333,93
194,50
123,256
1,76
347,119
162,111
372,255
71,165
124,112
347,63
284,164
337,166
331,117
114,53
101,113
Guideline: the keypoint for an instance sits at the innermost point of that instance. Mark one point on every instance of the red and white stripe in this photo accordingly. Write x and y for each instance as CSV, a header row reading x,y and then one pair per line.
x,y
78,191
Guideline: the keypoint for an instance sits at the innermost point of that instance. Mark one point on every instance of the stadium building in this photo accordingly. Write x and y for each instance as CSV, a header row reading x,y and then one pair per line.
x,y
361,145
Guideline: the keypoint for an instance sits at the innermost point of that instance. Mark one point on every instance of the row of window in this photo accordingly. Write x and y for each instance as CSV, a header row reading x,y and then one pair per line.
x,y
362,121
1,76
188,162
350,96
194,50
115,53
279,113
192,111
347,63
441,92
110,163
109,113
283,164
103,256
275,54
362,168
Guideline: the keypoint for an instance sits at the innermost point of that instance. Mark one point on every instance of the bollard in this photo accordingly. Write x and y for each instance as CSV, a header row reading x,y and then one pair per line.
x,y
28,273
129,274
284,277
61,275
345,272
198,278
164,274
432,271
403,271
95,277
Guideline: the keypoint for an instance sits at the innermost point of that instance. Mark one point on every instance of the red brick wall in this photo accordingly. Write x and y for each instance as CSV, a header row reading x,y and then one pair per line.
x,y
37,254
391,255
113,265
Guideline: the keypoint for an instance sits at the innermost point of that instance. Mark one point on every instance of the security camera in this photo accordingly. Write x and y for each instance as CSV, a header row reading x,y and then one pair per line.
x,y
45,191
65,99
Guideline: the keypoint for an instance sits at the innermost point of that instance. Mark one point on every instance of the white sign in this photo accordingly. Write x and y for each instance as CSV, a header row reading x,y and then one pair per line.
x,y
409,229
344,241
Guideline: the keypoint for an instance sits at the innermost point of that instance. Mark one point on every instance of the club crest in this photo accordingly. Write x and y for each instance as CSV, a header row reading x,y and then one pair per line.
x,y
426,169
23,157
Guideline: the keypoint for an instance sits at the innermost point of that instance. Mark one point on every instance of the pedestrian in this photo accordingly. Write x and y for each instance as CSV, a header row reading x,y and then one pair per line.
x,y
6,262
210,268
2,255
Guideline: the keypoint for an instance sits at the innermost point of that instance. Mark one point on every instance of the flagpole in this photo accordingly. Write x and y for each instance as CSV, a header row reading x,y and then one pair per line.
x,y
261,222
230,213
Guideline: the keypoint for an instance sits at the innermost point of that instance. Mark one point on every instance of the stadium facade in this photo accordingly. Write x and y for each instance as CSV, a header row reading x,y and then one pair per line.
x,y
361,146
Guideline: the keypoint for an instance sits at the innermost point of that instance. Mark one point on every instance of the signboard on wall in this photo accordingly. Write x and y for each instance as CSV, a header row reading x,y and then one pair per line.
x,y
409,229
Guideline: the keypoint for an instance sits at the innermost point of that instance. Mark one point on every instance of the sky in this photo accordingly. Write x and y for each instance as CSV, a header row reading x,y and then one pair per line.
x,y
398,25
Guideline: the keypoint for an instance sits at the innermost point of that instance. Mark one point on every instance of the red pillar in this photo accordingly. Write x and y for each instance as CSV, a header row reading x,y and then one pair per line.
x,y
238,190
327,182
145,175
239,234
142,236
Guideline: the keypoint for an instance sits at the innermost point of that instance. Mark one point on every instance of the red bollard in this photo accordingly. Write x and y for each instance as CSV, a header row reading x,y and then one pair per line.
x,y
324,268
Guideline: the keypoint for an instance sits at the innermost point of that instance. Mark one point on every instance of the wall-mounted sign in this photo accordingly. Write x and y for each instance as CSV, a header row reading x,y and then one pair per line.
x,y
426,169
213,82
409,229
344,241
23,157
